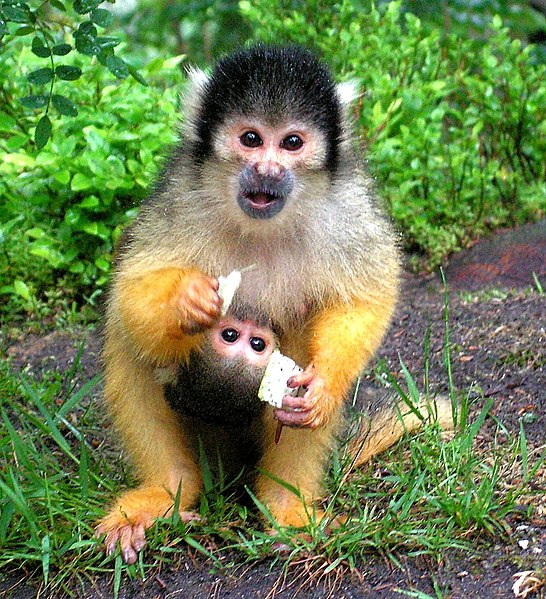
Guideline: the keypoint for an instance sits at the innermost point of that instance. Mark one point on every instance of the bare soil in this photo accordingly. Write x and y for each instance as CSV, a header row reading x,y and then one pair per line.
x,y
497,321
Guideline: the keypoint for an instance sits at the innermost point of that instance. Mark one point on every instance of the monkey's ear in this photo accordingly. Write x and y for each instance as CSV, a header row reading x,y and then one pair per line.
x,y
193,96
347,92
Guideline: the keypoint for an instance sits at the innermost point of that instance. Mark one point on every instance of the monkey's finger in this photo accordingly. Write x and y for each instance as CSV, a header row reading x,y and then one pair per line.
x,y
297,403
294,419
128,554
195,319
302,379
138,537
190,517
111,542
203,290
196,322
213,282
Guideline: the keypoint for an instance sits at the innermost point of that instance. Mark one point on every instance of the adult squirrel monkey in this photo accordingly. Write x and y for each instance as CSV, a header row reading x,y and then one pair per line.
x,y
265,174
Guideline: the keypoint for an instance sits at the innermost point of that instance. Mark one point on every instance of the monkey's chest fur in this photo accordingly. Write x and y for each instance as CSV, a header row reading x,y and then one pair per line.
x,y
225,394
219,411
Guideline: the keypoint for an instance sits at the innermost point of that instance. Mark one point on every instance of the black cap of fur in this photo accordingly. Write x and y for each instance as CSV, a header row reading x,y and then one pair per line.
x,y
274,83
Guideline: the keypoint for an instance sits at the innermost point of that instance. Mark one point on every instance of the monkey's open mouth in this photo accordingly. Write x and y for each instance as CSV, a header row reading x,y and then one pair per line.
x,y
261,198
260,204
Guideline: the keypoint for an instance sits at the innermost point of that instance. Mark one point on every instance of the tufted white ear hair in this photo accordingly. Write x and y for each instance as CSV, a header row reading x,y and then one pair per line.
x,y
192,97
347,92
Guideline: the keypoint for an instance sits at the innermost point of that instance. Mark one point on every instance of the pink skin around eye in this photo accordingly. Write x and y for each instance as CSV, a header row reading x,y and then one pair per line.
x,y
241,347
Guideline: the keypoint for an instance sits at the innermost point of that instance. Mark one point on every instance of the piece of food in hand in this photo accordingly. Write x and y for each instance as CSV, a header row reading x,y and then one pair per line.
x,y
273,387
228,285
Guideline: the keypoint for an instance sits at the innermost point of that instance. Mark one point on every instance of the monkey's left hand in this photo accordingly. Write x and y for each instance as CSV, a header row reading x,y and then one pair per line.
x,y
313,408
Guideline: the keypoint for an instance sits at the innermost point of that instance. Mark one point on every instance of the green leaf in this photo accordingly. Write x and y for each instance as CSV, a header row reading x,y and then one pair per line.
x,y
117,67
35,233
7,122
84,6
438,85
61,49
40,76
102,264
101,17
86,43
6,228
90,202
43,132
62,177
497,21
108,41
68,73
58,5
77,267
39,48
16,14
22,289
80,182
64,105
44,249
135,74
16,142
19,159
88,28
34,101
24,30
97,230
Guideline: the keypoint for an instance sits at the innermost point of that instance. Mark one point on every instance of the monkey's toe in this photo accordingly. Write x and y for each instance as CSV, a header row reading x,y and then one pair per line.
x,y
128,534
190,517
130,538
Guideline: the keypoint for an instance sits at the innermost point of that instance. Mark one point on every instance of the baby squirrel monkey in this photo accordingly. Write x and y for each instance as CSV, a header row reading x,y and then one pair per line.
x,y
266,174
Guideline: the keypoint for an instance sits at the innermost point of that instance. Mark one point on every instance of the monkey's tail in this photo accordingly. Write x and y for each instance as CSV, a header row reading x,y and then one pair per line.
x,y
384,429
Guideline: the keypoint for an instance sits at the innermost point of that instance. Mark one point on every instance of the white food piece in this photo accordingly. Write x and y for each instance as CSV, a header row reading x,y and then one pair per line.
x,y
228,286
273,387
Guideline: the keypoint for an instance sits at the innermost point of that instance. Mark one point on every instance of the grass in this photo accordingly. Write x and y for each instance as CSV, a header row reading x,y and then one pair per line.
x,y
426,495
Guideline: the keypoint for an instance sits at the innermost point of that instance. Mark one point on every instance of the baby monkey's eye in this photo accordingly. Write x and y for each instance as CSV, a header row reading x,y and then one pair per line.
x,y
257,344
230,335
292,143
251,139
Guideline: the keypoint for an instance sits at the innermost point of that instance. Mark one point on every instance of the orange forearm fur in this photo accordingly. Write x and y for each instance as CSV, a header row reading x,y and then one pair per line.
x,y
343,340
146,305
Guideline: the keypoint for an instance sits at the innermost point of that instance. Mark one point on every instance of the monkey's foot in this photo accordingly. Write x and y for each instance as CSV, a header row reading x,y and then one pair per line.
x,y
312,409
135,512
131,536
318,516
290,510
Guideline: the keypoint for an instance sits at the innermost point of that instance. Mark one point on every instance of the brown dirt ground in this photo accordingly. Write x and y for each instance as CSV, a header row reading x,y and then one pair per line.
x,y
498,337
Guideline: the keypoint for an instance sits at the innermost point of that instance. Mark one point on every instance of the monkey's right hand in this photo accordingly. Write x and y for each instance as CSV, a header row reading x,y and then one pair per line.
x,y
196,304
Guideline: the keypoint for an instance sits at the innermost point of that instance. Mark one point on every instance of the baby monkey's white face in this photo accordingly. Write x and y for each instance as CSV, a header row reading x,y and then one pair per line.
x,y
271,162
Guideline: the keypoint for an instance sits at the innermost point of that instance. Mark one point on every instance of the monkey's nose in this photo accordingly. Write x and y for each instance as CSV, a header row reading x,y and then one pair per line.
x,y
270,168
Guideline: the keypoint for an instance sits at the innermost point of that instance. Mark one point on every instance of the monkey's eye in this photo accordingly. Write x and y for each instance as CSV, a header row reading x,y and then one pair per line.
x,y
230,335
251,139
257,344
292,143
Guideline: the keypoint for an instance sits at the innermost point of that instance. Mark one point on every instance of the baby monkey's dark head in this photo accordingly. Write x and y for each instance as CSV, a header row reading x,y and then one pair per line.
x,y
220,383
267,125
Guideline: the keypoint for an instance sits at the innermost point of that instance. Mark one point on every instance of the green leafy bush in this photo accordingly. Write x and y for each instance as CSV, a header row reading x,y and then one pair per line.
x,y
201,30
455,129
62,208
473,19
53,32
